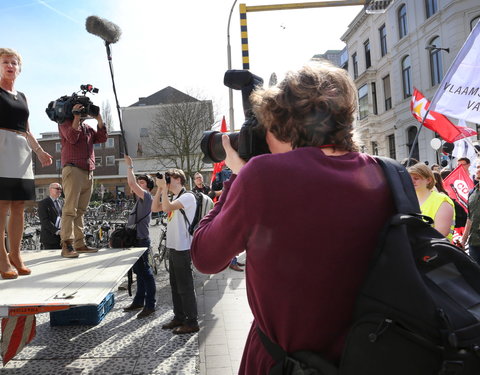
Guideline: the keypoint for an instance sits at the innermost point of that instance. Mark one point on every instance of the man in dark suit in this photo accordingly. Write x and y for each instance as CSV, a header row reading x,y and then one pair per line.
x,y
50,213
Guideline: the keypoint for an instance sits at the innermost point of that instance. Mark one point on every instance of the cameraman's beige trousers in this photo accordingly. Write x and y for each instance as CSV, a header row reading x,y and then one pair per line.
x,y
77,187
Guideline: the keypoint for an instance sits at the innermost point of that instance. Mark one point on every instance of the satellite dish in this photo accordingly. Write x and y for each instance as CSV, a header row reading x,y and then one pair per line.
x,y
436,143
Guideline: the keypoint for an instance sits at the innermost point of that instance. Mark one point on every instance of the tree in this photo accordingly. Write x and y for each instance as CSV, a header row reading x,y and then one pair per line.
x,y
107,117
176,132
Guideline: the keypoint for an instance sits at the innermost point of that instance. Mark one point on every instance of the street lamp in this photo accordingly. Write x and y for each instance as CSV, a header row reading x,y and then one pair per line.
x,y
229,56
434,48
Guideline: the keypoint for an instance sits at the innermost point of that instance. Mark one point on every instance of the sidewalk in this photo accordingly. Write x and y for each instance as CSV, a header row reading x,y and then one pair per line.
x,y
225,324
124,345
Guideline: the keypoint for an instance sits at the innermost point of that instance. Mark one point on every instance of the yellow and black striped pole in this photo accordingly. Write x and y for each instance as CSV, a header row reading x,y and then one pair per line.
x,y
244,35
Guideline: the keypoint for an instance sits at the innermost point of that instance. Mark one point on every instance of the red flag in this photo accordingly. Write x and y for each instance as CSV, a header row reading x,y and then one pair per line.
x,y
17,331
436,121
458,183
217,167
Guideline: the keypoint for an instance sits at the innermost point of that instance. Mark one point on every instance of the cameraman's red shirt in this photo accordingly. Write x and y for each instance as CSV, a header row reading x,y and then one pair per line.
x,y
77,145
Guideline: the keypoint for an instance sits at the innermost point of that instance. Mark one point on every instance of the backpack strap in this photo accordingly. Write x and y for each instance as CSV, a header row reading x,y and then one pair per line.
x,y
400,182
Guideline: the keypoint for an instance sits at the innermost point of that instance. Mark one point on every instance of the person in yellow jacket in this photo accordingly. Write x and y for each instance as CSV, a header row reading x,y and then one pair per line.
x,y
436,205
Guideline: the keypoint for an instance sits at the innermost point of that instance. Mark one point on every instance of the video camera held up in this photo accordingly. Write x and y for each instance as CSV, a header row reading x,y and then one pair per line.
x,y
250,141
61,109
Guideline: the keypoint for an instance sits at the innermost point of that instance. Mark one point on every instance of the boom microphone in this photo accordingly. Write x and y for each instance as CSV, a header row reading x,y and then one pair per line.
x,y
106,30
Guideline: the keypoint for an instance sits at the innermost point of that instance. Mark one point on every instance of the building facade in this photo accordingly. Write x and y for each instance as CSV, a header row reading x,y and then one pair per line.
x,y
409,46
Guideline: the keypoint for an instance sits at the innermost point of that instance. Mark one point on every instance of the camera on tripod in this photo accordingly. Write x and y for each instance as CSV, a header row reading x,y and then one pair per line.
x,y
250,141
61,109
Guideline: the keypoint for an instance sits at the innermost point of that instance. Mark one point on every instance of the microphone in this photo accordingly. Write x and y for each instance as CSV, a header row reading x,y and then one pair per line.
x,y
106,30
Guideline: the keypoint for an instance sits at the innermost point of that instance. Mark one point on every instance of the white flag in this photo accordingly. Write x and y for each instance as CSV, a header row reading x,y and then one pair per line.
x,y
458,95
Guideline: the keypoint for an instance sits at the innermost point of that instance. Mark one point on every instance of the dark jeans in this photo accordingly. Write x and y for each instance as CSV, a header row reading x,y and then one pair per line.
x,y
183,291
474,251
146,289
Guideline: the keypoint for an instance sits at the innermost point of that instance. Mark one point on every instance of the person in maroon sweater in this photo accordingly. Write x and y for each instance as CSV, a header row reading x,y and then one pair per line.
x,y
308,215
78,162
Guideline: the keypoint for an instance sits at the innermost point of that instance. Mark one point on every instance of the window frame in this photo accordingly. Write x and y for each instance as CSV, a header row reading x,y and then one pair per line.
x,y
407,77
431,7
110,142
355,65
383,40
362,105
387,100
109,157
97,162
436,64
402,21
368,56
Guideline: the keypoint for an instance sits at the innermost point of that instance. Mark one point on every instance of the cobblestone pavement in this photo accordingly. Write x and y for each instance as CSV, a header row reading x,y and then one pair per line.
x,y
122,344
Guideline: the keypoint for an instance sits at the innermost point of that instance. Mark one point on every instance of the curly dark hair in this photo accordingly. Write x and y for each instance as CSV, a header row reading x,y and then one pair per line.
x,y
314,106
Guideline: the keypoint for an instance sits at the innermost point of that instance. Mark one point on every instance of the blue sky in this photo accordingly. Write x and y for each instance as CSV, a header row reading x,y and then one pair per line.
x,y
182,44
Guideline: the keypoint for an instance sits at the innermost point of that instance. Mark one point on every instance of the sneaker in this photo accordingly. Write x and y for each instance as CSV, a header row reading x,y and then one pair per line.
x,y
173,324
185,328
67,250
86,249
133,307
145,312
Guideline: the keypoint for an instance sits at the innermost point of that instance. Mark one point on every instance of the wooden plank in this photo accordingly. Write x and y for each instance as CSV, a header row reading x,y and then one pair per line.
x,y
85,280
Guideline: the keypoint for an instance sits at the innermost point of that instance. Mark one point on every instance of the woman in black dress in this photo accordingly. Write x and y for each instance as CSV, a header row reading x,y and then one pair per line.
x,y
16,172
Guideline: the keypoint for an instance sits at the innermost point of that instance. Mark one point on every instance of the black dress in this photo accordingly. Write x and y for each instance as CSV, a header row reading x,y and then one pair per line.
x,y
16,172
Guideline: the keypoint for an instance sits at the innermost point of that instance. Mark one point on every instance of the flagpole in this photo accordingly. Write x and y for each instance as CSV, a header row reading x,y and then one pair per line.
x,y
415,141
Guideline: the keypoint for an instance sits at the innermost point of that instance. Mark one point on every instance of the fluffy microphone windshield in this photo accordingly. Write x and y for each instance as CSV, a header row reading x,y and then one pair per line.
x,y
106,30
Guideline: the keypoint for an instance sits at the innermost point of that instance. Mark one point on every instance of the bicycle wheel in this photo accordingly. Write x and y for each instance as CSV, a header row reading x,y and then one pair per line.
x,y
163,251
152,260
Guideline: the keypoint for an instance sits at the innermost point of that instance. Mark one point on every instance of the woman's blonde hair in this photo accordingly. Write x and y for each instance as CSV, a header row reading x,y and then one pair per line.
x,y
313,106
11,52
422,170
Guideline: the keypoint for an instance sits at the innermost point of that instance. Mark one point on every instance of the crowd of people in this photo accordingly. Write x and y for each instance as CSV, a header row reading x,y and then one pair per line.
x,y
314,169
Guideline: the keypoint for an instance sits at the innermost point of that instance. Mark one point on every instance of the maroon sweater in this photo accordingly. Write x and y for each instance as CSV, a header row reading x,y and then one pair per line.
x,y
309,224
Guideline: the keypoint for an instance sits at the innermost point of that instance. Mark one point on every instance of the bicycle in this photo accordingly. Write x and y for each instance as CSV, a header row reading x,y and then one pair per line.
x,y
162,254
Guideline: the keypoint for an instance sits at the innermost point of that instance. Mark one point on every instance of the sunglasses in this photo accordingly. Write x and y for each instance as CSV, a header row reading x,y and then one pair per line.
x,y
57,188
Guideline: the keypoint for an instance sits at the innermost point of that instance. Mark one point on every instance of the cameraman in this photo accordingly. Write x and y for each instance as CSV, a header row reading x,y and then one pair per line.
x,y
300,214
78,162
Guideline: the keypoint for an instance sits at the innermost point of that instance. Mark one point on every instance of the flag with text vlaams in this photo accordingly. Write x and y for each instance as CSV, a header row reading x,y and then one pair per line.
x,y
436,121
458,95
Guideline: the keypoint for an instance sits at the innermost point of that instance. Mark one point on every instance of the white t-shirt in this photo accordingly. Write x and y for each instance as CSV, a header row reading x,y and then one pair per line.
x,y
178,237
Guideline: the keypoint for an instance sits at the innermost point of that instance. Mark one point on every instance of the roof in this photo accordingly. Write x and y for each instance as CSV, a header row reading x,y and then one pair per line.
x,y
168,95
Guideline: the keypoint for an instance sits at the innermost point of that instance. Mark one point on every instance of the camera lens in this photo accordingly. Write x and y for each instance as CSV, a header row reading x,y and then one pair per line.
x,y
212,148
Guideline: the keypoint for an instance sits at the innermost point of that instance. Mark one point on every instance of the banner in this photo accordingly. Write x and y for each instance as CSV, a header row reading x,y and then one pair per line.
x,y
436,121
458,95
458,184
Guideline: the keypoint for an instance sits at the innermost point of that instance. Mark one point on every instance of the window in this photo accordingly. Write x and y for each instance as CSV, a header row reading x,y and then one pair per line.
x,y
436,68
406,77
110,160
411,134
392,153
41,192
58,164
431,7
402,21
383,40
110,143
98,161
97,146
374,148
355,65
363,101
58,147
387,92
368,60
474,22
374,98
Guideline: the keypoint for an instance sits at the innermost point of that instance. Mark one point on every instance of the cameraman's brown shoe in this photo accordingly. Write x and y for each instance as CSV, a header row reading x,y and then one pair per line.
x,y
67,250
86,249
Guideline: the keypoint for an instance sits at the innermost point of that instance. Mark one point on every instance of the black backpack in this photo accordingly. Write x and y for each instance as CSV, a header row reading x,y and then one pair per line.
x,y
204,205
418,312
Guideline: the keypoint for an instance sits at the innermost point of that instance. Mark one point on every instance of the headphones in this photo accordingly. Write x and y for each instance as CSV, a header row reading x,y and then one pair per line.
x,y
148,179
